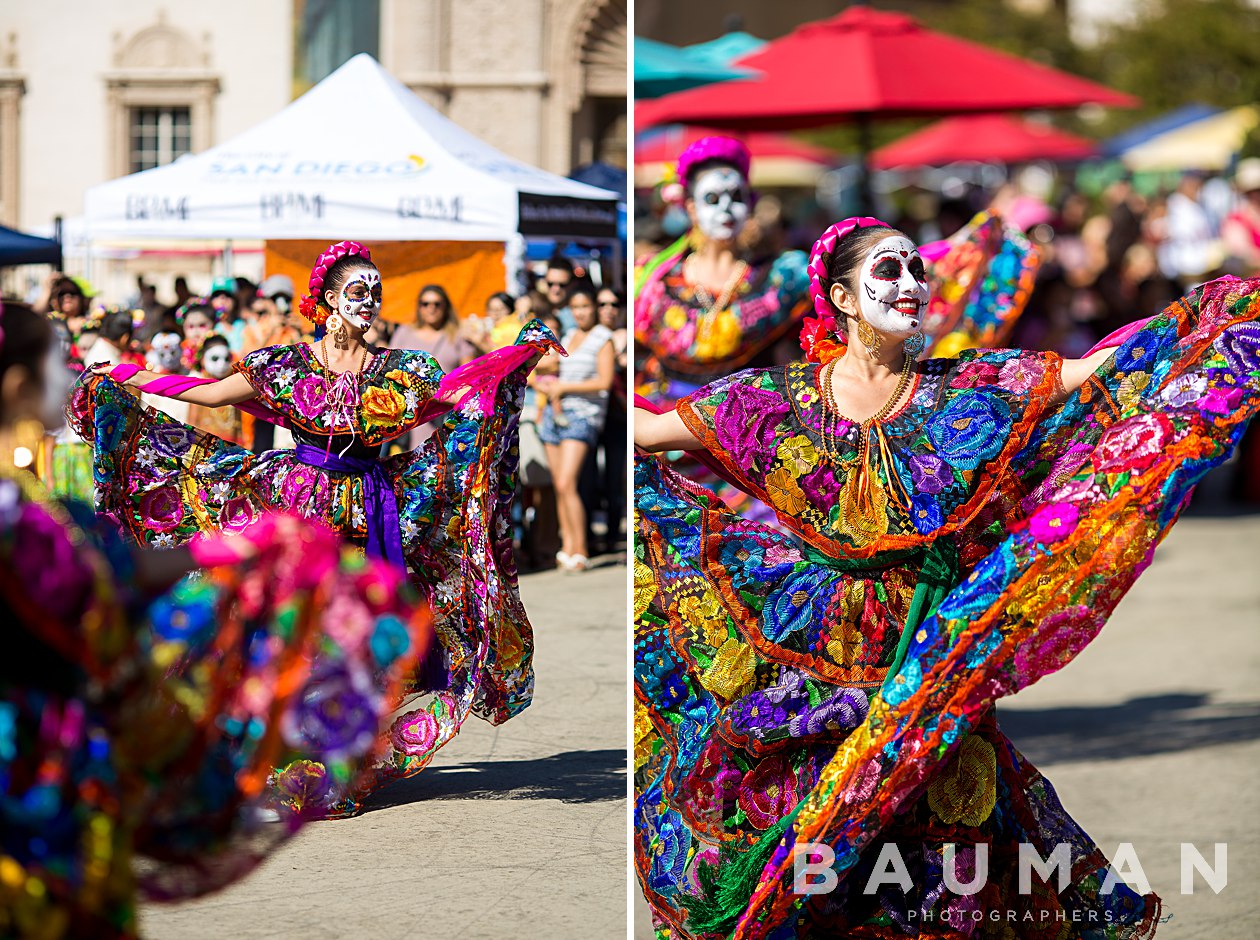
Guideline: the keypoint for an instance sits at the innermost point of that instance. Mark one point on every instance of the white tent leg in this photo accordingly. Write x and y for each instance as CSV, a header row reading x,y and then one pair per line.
x,y
227,258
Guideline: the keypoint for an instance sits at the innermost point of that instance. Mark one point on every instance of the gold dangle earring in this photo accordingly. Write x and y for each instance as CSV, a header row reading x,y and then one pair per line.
x,y
869,336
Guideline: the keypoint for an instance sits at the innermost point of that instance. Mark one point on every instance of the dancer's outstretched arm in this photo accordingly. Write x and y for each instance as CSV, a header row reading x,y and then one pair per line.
x,y
229,391
1076,371
665,431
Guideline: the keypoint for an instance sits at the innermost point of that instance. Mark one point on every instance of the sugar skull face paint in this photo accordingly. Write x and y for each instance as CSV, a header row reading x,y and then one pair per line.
x,y
893,289
165,353
360,299
721,202
216,361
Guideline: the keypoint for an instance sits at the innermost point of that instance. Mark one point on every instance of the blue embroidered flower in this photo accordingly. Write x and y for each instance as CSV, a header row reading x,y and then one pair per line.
x,y
926,514
669,860
971,429
981,587
389,640
1138,354
799,603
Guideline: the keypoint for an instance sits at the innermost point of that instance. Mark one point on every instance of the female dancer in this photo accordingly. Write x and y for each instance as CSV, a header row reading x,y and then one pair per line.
x,y
703,306
443,510
960,528
141,719
576,408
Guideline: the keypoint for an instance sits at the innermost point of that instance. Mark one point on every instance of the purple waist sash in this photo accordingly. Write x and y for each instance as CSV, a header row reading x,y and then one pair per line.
x,y
384,537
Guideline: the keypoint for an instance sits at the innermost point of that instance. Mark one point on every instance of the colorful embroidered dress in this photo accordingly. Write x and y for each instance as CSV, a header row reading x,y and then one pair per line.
x,y
141,725
683,338
444,509
836,685
980,286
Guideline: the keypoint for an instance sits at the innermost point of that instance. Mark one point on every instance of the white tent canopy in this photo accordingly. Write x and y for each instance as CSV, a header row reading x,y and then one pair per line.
x,y
358,156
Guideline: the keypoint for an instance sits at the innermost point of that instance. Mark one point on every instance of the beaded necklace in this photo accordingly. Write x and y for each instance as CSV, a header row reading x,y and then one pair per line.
x,y
864,497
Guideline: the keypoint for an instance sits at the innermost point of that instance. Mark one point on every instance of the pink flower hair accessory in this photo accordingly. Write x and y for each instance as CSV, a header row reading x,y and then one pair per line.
x,y
724,149
825,322
309,305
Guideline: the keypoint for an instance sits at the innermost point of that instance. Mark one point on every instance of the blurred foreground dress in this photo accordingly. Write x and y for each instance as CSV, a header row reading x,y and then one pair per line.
x,y
442,510
836,685
138,731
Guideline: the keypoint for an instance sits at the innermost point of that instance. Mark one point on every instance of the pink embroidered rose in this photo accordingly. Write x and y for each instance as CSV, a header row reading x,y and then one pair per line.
x,y
162,508
1133,444
298,486
1019,375
1053,522
974,374
415,733
237,514
310,396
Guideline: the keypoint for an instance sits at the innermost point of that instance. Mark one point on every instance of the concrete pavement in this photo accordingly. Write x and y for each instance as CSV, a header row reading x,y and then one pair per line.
x,y
517,831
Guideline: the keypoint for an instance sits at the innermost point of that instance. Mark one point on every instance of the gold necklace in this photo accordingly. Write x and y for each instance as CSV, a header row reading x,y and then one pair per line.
x,y
711,306
327,363
832,416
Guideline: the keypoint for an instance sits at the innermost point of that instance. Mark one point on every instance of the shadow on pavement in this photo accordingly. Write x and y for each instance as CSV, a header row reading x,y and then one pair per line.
x,y
571,777
1154,724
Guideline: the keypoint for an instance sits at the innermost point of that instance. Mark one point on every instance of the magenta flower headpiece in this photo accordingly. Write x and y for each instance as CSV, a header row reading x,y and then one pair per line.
x,y
820,332
726,149
334,253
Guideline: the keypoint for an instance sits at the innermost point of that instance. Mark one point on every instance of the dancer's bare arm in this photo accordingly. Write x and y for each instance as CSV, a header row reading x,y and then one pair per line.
x,y
666,431
230,391
1077,371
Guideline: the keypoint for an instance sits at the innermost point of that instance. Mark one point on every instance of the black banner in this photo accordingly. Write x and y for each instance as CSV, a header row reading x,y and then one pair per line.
x,y
566,217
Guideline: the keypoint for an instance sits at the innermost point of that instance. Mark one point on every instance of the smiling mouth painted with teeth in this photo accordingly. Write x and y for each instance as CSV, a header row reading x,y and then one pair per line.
x,y
907,305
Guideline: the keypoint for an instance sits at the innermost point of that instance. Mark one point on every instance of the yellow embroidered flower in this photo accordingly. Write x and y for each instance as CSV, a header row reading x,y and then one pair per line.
x,y
399,376
644,588
798,455
724,336
675,318
732,671
511,649
382,406
706,613
966,789
784,492
1131,387
645,736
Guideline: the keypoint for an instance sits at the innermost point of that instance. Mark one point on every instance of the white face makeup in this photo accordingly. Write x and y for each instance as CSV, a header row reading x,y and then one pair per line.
x,y
721,202
360,300
216,361
58,381
164,353
893,291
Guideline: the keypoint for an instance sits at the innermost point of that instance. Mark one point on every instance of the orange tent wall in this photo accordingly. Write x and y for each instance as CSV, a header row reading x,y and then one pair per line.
x,y
470,271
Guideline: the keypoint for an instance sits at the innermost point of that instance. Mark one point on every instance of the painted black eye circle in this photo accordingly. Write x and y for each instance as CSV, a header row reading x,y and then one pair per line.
x,y
915,267
886,269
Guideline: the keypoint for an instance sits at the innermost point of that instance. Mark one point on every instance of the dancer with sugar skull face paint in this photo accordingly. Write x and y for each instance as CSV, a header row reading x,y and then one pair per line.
x,y
141,714
442,511
955,530
704,307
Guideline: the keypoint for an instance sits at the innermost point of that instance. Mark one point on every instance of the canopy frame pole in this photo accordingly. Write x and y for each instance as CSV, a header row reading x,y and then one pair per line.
x,y
227,258
866,199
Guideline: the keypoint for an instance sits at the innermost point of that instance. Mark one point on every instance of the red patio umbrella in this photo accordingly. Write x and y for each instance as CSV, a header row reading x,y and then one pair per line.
x,y
866,64
664,146
997,138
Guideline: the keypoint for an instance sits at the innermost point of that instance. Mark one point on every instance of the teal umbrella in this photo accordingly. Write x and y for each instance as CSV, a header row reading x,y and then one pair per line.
x,y
661,69
725,50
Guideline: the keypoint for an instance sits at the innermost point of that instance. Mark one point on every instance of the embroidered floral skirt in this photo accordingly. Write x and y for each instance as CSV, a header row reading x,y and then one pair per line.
x,y
146,727
746,749
163,482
